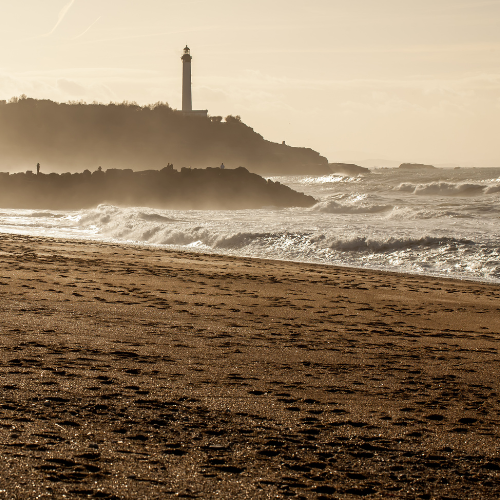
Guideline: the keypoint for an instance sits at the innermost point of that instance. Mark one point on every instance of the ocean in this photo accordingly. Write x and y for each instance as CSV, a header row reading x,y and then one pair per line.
x,y
442,222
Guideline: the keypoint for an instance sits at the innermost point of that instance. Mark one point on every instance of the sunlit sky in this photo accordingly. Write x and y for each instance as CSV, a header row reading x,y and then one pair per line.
x,y
401,80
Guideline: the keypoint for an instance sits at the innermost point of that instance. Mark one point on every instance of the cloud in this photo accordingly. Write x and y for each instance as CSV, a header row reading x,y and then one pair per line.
x,y
49,86
472,5
81,34
71,88
62,15
208,94
194,29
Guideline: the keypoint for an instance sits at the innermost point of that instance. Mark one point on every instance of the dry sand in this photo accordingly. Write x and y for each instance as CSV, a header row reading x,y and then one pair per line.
x,y
136,373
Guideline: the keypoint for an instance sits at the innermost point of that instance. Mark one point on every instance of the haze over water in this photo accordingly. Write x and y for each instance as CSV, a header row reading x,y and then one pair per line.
x,y
441,222
377,83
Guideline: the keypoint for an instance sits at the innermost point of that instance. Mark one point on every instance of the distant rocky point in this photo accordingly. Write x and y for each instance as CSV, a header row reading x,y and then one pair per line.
x,y
416,166
347,168
211,188
72,136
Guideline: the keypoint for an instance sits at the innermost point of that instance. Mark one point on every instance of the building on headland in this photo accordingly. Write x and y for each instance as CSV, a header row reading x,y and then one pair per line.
x,y
187,100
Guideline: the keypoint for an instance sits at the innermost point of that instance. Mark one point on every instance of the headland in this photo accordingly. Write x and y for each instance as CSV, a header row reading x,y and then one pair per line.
x,y
69,137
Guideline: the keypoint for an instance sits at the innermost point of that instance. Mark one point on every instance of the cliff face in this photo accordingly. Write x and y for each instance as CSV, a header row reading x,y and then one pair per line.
x,y
71,137
211,188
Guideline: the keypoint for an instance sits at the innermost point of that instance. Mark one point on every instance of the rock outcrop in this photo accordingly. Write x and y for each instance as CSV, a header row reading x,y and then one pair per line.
x,y
211,188
347,168
416,166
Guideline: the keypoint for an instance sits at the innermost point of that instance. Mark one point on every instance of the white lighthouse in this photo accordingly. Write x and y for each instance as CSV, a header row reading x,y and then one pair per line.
x,y
187,100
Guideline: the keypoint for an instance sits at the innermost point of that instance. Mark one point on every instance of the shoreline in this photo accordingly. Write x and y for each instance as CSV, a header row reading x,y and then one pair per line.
x,y
161,248
134,372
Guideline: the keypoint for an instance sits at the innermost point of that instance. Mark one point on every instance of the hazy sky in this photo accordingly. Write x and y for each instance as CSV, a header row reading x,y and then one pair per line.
x,y
408,80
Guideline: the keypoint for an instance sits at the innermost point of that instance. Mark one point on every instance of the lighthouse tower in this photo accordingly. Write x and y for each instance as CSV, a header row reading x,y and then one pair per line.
x,y
187,102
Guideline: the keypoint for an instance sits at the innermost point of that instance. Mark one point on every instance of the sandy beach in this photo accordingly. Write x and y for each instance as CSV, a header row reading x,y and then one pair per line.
x,y
136,373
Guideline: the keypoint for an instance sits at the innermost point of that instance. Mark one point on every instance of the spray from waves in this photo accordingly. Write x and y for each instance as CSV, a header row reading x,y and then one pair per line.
x,y
331,179
447,188
96,215
318,181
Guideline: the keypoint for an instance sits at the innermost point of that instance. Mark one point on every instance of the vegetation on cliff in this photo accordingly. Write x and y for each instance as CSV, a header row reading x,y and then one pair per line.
x,y
76,136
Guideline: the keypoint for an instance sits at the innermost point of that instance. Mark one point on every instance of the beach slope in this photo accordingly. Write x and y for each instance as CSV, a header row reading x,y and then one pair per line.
x,y
138,373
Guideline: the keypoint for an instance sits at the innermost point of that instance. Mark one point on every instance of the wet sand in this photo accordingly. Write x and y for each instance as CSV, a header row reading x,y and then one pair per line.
x,y
135,373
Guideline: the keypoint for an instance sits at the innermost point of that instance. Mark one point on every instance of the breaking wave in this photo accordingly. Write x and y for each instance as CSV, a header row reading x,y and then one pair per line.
x,y
135,227
46,214
309,235
331,179
156,218
334,207
390,244
448,188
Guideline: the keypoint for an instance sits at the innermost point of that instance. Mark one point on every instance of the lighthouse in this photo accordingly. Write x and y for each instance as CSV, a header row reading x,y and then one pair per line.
x,y
187,100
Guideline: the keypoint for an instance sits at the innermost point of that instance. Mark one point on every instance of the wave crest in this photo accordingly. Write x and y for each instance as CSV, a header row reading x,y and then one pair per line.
x,y
392,244
337,178
351,207
442,188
